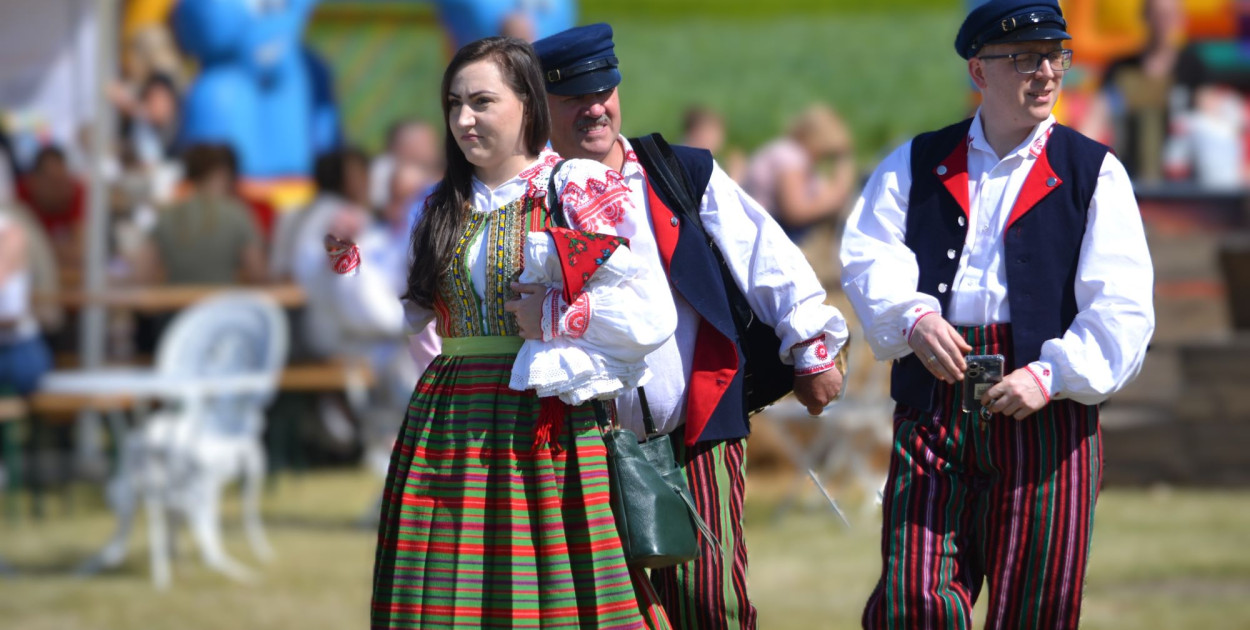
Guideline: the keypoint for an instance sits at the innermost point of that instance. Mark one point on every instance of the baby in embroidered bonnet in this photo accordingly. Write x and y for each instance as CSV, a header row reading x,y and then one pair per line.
x,y
568,361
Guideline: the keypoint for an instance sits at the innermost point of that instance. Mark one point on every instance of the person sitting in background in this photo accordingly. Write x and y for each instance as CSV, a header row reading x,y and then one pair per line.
x,y
58,199
209,237
24,357
704,128
260,209
1207,143
806,176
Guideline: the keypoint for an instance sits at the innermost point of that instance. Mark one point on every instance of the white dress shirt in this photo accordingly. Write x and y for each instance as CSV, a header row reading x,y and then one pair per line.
x,y
1103,348
776,279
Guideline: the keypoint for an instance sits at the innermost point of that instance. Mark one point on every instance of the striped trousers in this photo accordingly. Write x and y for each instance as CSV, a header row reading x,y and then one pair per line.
x,y
1010,505
710,593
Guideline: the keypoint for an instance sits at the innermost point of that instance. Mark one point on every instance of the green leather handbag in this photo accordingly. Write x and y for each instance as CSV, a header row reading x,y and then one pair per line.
x,y
655,514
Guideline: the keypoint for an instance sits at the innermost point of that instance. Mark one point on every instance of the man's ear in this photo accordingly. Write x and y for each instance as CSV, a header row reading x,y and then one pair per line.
x,y
976,70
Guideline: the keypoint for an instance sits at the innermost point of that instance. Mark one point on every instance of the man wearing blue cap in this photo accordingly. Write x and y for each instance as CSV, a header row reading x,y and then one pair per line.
x,y
1006,234
697,390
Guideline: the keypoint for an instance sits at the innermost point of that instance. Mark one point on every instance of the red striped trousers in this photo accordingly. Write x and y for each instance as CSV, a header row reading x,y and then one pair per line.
x,y
710,593
1010,506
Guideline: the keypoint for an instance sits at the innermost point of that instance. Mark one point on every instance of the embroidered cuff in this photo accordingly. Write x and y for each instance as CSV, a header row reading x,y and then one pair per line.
x,y
811,356
1044,376
565,320
551,313
913,317
345,261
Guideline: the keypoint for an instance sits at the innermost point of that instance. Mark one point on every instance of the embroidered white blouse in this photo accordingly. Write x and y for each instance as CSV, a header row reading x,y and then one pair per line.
x,y
561,365
620,321
1104,347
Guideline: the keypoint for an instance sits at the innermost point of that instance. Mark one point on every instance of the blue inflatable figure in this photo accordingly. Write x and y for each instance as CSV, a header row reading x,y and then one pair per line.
x,y
259,89
469,20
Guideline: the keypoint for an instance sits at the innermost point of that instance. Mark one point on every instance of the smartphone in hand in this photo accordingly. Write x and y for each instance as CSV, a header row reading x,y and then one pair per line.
x,y
983,371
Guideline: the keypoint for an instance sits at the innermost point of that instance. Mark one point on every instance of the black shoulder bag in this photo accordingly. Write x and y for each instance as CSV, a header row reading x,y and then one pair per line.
x,y
765,378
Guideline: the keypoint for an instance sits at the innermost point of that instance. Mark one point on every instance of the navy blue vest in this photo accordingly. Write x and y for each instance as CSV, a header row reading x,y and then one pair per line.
x,y
1041,247
695,275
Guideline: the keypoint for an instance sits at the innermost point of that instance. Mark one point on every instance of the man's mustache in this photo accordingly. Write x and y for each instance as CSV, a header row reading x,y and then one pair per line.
x,y
586,123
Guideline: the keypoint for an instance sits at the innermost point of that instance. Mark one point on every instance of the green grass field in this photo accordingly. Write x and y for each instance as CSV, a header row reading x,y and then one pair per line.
x,y
891,70
1161,560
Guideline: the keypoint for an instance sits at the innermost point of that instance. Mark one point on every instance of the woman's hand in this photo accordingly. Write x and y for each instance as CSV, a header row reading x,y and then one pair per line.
x,y
528,309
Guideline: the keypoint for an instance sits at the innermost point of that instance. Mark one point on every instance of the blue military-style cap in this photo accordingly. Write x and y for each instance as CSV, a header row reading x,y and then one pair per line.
x,y
581,60
1000,21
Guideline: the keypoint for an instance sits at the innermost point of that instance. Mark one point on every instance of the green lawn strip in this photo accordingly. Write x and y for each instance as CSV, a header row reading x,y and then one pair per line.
x,y
890,75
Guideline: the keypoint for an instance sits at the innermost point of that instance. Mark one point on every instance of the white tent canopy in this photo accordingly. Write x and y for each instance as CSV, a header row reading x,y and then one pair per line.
x,y
55,56
47,71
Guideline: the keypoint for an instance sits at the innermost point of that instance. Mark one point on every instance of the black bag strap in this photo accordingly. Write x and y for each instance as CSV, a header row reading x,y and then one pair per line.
x,y
648,423
605,416
659,160
661,163
555,209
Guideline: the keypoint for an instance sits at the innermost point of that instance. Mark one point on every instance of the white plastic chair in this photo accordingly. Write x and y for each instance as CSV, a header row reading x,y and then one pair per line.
x,y
227,354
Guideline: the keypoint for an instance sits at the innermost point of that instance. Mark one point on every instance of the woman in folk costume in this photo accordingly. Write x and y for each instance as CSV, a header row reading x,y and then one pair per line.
x,y
496,511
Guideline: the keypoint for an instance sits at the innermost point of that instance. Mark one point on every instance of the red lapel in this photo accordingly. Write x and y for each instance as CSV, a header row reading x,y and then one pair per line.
x,y
1040,181
665,232
714,366
715,356
953,172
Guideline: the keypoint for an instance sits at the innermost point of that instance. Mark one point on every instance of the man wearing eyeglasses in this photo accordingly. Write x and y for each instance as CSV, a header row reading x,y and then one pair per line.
x,y
1006,234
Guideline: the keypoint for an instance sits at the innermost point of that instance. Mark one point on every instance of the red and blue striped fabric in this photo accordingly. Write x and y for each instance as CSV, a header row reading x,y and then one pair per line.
x,y
710,593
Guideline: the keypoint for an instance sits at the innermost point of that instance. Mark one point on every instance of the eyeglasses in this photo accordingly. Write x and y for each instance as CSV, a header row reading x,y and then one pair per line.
x,y
1030,62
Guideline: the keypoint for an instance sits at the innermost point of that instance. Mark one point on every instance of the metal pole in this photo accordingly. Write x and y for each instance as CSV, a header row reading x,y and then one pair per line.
x,y
92,323
95,237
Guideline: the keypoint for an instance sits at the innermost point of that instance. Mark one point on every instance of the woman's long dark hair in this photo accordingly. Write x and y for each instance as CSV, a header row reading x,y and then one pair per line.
x,y
436,233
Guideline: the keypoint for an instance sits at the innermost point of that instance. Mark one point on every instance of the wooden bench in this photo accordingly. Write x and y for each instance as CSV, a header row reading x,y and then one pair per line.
x,y
59,408
323,376
330,375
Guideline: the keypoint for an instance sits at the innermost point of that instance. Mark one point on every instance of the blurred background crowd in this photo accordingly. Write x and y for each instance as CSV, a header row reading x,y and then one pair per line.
x,y
151,145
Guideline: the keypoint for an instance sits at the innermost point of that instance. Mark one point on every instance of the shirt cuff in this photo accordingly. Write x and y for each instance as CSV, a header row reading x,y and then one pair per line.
x,y
911,317
1044,374
552,304
565,320
811,356
345,261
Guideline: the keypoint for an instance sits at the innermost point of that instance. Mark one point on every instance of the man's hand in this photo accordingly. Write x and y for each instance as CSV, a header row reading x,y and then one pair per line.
x,y
816,391
1017,395
938,345
528,309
